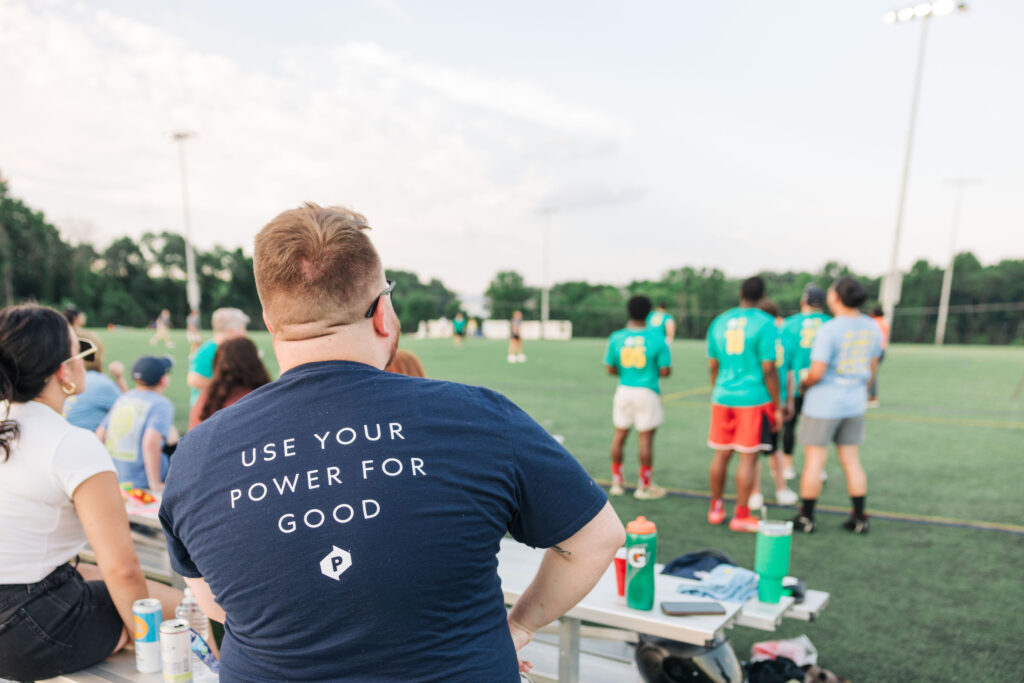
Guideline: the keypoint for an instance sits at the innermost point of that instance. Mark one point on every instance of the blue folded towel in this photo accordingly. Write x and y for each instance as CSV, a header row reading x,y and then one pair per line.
x,y
725,582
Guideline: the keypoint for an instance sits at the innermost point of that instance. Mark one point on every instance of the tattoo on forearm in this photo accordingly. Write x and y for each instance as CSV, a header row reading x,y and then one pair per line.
x,y
562,551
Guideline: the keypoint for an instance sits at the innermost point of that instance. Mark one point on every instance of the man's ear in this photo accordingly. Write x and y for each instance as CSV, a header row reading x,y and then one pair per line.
x,y
266,321
380,319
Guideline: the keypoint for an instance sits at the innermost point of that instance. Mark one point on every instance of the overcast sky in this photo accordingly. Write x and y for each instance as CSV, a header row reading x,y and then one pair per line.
x,y
740,135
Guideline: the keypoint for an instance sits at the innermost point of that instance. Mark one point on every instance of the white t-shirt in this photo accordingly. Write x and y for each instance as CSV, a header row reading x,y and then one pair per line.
x,y
39,528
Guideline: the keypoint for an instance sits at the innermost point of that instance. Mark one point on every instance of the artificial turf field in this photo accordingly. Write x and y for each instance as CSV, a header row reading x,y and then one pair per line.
x,y
934,593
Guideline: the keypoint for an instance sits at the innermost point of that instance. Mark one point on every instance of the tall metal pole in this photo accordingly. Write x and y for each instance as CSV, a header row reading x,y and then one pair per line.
x,y
545,294
191,284
889,293
947,277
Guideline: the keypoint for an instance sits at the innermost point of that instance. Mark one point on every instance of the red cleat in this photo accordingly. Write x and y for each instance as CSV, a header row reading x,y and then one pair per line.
x,y
716,513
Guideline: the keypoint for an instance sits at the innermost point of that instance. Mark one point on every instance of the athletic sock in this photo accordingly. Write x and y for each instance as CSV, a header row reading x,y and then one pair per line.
x,y
742,511
807,507
645,476
617,472
858,506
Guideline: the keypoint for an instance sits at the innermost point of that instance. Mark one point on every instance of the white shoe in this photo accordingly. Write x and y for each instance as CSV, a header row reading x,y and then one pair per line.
x,y
873,403
511,358
755,501
786,496
788,473
521,358
616,489
651,492
824,475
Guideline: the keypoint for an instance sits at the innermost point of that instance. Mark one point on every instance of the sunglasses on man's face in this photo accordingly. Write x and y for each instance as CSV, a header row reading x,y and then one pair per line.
x,y
373,306
87,351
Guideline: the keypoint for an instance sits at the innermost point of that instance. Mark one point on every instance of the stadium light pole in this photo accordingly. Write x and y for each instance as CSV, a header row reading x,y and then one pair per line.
x,y
545,292
923,11
191,284
947,277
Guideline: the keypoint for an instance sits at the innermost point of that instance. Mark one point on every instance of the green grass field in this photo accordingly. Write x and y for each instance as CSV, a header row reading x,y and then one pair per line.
x,y
912,601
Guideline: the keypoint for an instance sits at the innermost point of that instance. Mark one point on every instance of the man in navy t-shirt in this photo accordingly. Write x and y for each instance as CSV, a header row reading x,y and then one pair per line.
x,y
343,521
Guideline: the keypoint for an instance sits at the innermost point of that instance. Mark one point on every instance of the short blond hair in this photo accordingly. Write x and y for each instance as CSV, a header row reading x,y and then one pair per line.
x,y
224,319
316,264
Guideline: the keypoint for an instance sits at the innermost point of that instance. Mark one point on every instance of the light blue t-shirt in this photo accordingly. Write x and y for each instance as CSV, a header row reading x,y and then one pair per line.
x,y
848,345
127,422
88,409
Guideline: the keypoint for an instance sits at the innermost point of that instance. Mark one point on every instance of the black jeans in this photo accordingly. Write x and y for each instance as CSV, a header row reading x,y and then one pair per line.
x,y
58,625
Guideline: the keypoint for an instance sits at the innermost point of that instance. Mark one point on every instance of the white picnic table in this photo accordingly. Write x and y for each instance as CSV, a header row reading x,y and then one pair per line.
x,y
517,565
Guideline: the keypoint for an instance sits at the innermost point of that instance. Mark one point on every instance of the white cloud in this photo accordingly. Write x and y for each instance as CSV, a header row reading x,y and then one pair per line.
x,y
439,159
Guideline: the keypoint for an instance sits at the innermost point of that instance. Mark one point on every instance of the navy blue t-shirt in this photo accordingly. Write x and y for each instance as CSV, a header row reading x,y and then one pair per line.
x,y
348,521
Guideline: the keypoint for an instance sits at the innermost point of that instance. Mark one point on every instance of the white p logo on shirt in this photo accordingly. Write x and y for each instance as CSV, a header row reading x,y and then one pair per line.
x,y
336,562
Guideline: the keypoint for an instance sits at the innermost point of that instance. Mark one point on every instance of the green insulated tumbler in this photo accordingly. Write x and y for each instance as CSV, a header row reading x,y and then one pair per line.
x,y
771,558
641,551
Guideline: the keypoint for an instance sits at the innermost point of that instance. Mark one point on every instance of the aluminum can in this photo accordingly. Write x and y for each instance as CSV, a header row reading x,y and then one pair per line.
x,y
176,651
146,621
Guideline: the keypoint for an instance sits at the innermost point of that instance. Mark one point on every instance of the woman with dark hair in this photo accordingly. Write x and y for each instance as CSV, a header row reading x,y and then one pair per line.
x,y
406,363
844,360
237,370
58,491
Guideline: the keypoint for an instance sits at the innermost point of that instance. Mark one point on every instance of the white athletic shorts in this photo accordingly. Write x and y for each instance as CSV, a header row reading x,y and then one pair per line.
x,y
637,406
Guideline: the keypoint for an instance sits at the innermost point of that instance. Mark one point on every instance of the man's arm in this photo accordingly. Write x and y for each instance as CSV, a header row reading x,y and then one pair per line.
x,y
771,382
665,371
713,368
670,330
612,370
568,572
197,381
815,373
152,452
116,369
206,599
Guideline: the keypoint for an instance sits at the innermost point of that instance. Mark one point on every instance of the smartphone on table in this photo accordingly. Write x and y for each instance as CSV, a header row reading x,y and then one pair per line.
x,y
689,609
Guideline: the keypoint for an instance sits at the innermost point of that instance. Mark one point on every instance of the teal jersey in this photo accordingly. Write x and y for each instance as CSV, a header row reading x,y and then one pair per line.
x,y
638,354
657,320
201,363
798,333
740,340
459,325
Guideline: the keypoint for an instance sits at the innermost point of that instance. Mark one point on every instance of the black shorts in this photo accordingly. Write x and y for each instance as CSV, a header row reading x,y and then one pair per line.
x,y
768,436
789,429
515,337
58,625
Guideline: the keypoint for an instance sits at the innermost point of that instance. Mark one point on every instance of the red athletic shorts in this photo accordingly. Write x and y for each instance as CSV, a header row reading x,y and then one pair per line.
x,y
746,429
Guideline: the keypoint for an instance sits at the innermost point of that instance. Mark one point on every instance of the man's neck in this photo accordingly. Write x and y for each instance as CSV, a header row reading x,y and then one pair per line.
x,y
747,304
636,323
344,344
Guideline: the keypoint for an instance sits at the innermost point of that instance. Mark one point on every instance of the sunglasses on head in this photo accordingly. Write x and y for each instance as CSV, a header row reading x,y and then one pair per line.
x,y
87,351
373,306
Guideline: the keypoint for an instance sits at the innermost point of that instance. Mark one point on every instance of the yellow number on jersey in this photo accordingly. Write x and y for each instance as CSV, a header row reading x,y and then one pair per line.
x,y
633,357
735,339
808,332
780,353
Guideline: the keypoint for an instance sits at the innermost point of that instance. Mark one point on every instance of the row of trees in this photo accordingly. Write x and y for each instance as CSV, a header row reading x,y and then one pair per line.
x,y
128,282
986,303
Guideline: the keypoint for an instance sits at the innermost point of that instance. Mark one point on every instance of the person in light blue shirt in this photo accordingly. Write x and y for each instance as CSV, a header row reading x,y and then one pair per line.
x,y
844,360
140,423
87,410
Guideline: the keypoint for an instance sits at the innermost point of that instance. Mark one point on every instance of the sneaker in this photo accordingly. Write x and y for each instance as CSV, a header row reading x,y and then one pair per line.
x,y
788,474
747,524
873,403
716,513
824,475
786,496
521,358
616,489
755,501
511,358
857,526
804,524
652,492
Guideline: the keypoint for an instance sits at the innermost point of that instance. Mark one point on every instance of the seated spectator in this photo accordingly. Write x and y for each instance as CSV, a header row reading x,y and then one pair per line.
x,y
227,323
87,410
406,363
140,423
237,370
58,490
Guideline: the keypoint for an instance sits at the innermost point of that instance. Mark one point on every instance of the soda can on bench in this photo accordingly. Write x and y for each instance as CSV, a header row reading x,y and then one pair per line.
x,y
146,619
176,651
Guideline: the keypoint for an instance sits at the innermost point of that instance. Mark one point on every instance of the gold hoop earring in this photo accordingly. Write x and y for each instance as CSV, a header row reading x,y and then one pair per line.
x,y
69,389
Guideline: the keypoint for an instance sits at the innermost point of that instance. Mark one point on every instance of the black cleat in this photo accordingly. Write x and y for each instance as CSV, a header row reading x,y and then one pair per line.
x,y
857,526
804,524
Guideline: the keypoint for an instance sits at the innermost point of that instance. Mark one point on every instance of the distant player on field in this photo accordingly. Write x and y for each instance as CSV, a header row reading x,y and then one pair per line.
x,y
798,334
639,356
515,341
661,319
459,329
744,400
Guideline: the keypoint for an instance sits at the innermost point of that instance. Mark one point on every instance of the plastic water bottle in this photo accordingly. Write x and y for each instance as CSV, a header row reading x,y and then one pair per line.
x,y
190,611
641,552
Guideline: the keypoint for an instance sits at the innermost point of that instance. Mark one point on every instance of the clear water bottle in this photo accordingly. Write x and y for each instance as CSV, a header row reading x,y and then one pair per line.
x,y
190,611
